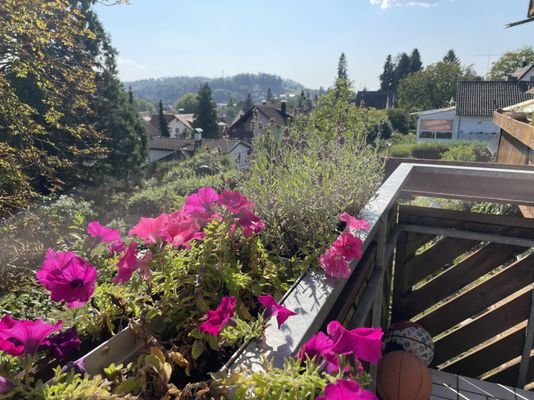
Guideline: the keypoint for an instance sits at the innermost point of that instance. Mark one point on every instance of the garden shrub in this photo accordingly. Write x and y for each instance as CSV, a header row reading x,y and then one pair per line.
x,y
430,150
319,168
400,150
400,120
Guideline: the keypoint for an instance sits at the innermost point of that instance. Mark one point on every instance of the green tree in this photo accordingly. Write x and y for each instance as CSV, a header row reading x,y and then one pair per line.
x,y
163,126
415,61
343,86
269,95
130,95
47,78
510,62
387,78
432,87
248,103
206,115
188,103
451,57
402,68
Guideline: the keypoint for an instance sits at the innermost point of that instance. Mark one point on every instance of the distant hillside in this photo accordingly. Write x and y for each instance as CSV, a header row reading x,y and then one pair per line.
x,y
238,86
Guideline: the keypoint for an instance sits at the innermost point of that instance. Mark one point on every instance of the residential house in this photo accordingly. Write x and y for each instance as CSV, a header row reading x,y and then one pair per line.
x,y
180,125
380,99
525,74
471,118
165,149
247,125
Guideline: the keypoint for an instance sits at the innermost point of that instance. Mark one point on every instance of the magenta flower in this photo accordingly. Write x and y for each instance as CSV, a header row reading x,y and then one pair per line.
x,y
353,224
127,264
201,205
364,343
345,389
334,264
349,246
250,222
219,318
148,229
24,337
102,233
64,344
180,230
68,277
272,308
320,346
117,248
6,385
234,201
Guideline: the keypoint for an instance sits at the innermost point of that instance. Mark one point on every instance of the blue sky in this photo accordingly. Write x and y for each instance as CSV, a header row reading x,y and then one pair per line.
x,y
302,39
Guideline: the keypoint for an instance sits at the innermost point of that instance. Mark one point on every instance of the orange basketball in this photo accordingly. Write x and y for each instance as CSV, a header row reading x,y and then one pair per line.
x,y
403,376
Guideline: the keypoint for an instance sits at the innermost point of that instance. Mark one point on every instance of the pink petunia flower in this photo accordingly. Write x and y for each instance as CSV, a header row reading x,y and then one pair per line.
x,y
102,233
25,336
148,229
353,224
334,264
219,318
345,389
250,222
201,205
68,277
364,343
234,201
320,346
180,230
127,264
349,246
64,344
272,308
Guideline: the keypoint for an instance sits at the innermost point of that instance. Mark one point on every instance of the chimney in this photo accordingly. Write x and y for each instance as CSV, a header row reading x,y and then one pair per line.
x,y
283,105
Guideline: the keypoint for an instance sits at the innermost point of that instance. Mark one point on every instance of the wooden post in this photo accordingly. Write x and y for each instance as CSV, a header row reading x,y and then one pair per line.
x,y
527,347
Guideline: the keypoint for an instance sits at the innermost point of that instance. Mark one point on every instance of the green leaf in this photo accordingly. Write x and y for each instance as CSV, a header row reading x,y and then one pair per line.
x,y
198,349
128,386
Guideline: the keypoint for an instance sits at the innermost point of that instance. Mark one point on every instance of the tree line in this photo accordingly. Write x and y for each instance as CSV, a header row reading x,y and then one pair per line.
x,y
65,118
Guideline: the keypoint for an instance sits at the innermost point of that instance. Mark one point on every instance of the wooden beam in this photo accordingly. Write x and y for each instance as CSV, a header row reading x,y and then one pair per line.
x,y
521,131
468,235
527,347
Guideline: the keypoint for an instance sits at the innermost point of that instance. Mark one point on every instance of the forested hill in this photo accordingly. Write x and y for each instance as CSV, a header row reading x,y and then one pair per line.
x,y
238,86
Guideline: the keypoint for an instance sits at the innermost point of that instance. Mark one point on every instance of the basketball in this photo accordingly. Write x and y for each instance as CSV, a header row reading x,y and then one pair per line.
x,y
403,376
411,337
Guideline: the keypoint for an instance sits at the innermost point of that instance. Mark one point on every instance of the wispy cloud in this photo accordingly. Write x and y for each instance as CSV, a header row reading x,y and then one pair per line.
x,y
131,64
404,3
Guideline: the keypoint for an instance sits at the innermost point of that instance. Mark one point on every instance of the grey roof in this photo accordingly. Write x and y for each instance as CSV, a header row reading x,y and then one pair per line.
x,y
226,145
171,144
521,72
377,99
482,98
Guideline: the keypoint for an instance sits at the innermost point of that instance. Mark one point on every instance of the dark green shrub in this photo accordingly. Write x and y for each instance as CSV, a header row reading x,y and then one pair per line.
x,y
430,150
400,120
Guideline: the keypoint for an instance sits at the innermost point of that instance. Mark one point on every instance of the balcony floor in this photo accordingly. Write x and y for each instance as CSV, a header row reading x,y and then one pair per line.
x,y
446,386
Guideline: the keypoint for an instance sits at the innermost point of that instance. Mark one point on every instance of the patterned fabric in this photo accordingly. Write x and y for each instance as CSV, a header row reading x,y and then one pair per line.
x,y
411,337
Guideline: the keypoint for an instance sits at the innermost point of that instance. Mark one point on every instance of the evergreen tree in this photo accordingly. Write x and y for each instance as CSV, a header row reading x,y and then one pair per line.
x,y
387,78
402,69
342,68
451,57
206,115
248,103
342,84
163,127
415,62
269,96
130,95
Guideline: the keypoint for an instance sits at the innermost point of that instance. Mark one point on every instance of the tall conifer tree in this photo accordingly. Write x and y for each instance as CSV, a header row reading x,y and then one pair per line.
x,y
206,115
163,127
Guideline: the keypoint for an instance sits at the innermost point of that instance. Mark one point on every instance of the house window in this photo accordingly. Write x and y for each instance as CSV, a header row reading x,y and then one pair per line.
x,y
440,129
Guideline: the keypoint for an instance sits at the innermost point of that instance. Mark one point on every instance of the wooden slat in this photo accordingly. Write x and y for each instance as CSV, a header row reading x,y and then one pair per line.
x,y
482,329
354,286
518,276
436,257
490,357
473,267
520,131
414,241
463,220
509,375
